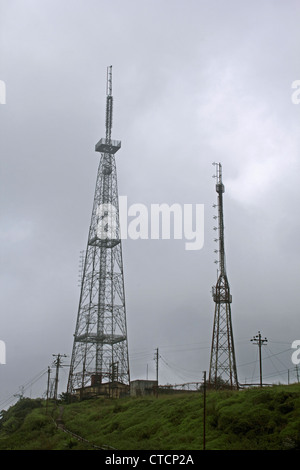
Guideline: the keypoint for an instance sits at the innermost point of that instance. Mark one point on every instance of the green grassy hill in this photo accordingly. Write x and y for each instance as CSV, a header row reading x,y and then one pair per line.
x,y
267,419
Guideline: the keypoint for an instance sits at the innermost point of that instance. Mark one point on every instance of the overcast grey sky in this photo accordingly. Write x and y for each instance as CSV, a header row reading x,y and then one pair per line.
x,y
194,81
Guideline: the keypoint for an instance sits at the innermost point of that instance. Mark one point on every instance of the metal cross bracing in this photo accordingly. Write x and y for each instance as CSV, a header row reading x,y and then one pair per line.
x,y
100,349
222,371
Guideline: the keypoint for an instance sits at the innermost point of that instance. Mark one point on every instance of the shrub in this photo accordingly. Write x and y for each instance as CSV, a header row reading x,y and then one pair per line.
x,y
13,418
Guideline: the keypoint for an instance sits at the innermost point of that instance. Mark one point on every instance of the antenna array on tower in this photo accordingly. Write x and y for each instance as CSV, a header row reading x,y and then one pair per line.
x,y
222,372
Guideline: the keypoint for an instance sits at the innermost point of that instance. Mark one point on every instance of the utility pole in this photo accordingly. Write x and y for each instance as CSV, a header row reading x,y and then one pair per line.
x,y
204,409
58,364
156,357
259,341
48,385
20,395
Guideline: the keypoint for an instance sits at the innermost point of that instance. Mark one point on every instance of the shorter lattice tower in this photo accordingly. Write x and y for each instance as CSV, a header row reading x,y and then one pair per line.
x,y
222,370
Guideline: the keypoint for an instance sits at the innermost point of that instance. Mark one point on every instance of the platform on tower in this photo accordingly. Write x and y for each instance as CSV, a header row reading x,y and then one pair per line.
x,y
108,147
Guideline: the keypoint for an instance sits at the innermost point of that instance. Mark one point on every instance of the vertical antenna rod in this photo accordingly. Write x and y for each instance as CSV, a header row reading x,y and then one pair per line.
x,y
109,105
220,190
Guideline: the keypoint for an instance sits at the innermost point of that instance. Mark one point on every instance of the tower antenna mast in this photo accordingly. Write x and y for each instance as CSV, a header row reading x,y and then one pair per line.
x,y
100,350
109,105
223,371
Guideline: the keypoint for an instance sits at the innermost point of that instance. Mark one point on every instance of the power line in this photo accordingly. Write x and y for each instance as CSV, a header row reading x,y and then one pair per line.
x,y
279,342
275,355
253,372
140,354
25,387
178,370
266,357
274,366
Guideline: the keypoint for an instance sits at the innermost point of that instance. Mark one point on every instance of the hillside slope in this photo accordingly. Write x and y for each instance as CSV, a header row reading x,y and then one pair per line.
x,y
267,419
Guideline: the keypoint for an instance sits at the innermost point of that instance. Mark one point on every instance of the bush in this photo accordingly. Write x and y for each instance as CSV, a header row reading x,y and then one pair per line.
x,y
12,419
35,422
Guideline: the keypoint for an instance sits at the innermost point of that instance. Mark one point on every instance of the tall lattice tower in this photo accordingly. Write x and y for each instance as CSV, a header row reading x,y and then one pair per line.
x,y
222,371
100,348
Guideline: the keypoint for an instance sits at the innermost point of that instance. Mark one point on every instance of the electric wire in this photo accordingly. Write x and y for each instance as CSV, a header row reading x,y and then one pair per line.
x,y
24,387
276,354
142,354
180,371
253,372
182,377
273,354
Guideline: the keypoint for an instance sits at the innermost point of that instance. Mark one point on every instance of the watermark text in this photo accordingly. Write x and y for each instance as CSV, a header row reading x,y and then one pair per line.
x,y
296,93
296,354
156,222
2,92
2,352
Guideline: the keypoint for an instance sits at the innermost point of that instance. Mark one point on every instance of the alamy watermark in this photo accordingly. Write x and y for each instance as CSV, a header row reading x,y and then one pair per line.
x,y
159,221
2,352
296,94
296,354
2,92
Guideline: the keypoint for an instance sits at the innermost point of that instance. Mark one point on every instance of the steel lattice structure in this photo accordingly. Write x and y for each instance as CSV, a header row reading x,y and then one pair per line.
x,y
222,371
100,348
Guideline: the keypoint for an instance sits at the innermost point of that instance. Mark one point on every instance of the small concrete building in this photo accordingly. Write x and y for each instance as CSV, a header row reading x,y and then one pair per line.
x,y
107,389
140,388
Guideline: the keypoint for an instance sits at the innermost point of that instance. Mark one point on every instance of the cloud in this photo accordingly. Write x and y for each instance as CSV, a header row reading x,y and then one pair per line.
x,y
194,82
15,232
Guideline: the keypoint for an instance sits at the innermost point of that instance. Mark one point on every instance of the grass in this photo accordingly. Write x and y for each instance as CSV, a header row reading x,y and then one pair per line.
x,y
254,419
